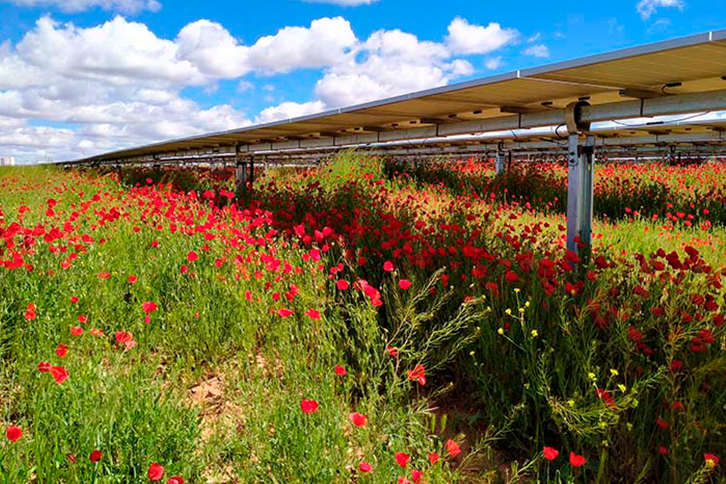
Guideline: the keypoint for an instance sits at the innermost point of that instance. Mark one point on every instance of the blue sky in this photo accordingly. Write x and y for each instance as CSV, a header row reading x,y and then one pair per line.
x,y
83,76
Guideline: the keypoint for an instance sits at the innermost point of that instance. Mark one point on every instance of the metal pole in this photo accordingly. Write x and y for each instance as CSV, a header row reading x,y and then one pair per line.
x,y
241,175
499,161
579,193
252,170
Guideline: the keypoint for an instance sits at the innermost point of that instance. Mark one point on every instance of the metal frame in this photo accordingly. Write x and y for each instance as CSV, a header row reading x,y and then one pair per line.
x,y
304,136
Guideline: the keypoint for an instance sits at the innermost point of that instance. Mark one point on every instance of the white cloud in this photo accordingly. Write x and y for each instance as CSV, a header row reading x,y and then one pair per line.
x,y
344,3
493,63
537,50
388,63
646,8
118,84
465,38
289,110
71,6
324,43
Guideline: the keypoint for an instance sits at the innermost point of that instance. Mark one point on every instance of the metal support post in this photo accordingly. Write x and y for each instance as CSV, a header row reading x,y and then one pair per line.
x,y
499,161
580,178
252,170
241,174
580,192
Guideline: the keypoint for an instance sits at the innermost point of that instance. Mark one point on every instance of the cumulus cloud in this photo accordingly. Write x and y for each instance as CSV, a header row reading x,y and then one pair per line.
x,y
72,6
465,38
118,84
388,63
537,50
289,110
646,8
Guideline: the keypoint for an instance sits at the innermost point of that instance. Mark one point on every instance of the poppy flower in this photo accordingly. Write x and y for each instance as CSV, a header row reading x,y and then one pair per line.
x,y
711,459
82,319
402,459
404,284
74,300
342,284
59,373
313,314
104,275
95,456
340,370
284,312
388,266
155,472
149,307
175,480
403,480
452,448
663,450
365,467
433,458
416,476
71,458
61,350
14,433
309,406
76,330
577,460
192,256
133,279
418,374
550,453
391,350
44,367
358,419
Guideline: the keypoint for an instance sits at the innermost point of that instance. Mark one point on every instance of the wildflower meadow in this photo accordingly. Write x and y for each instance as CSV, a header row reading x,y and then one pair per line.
x,y
365,321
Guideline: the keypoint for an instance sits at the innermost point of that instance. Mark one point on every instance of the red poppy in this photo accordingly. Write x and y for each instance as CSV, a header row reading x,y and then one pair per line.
x,y
284,312
59,373
309,406
340,370
550,453
388,266
402,458
44,367
61,350
14,433
76,330
95,456
133,279
416,476
175,480
149,307
82,319
391,350
72,458
192,256
30,312
342,284
155,472
577,460
313,314
663,450
74,300
418,374
711,459
403,480
433,458
365,467
104,275
404,284
452,448
358,419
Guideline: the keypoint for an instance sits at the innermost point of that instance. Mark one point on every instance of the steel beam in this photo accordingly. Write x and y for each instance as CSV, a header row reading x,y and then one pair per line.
x,y
580,160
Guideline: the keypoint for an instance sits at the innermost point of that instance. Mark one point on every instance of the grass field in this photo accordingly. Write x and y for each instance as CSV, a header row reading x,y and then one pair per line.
x,y
367,322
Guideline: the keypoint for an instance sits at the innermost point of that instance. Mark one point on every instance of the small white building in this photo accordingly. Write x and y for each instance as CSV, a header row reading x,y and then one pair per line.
x,y
7,161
